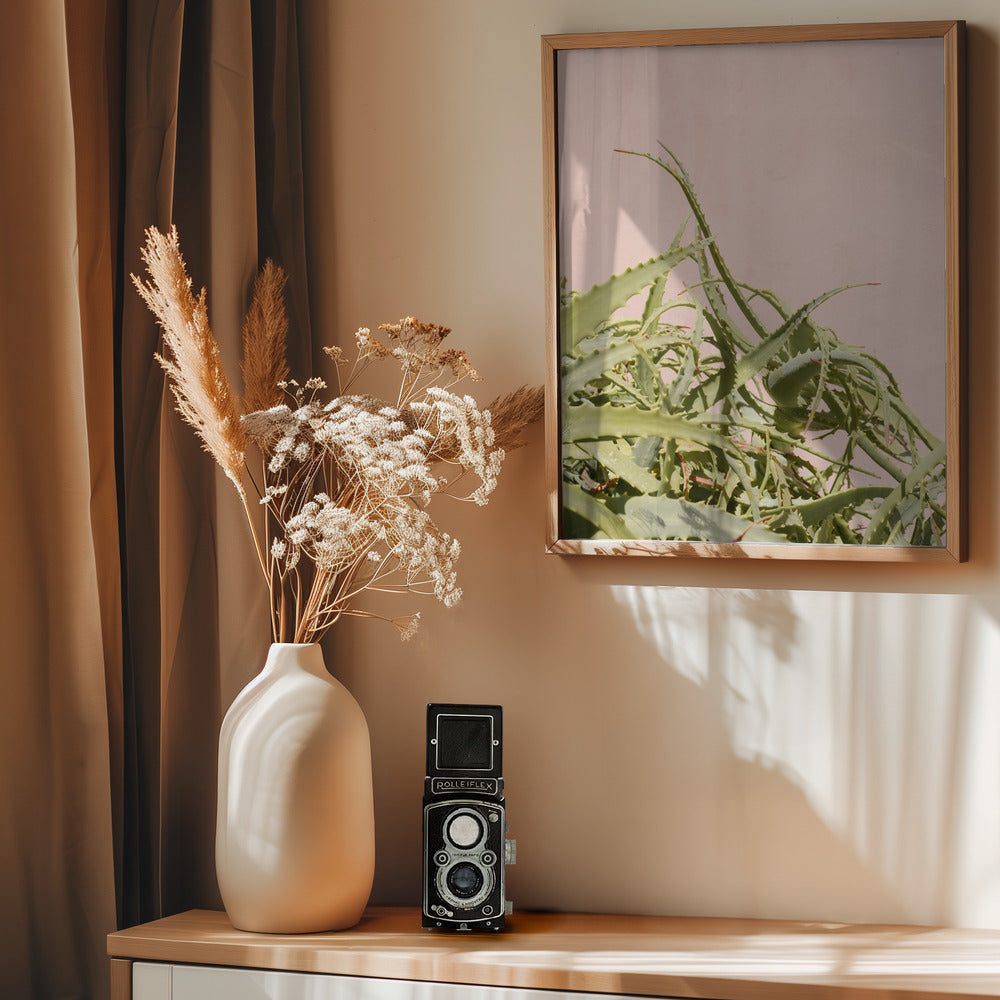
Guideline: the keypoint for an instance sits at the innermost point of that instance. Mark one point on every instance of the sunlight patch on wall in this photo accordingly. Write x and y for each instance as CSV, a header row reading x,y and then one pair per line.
x,y
880,708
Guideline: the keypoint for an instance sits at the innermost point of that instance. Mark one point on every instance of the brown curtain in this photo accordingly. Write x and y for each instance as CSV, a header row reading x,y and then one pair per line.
x,y
61,661
132,608
211,133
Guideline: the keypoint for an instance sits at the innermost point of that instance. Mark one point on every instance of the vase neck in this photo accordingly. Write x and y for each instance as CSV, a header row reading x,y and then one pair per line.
x,y
284,657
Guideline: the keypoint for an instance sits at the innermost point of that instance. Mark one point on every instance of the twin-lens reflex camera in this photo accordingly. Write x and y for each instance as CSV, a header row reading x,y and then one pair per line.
x,y
465,824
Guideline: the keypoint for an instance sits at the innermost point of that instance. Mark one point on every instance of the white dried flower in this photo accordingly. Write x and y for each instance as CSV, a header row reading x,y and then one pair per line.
x,y
273,491
408,627
463,435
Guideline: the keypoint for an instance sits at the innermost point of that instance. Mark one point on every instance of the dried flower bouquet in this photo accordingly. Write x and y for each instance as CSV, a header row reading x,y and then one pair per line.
x,y
344,485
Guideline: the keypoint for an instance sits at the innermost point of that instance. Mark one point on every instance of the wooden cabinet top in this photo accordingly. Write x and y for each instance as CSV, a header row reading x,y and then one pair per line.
x,y
725,959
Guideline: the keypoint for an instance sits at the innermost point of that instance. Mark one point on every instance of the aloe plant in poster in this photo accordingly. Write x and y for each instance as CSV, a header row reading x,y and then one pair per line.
x,y
752,294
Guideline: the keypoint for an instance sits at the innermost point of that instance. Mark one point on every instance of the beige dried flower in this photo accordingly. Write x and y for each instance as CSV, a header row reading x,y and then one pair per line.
x,y
369,347
336,355
415,335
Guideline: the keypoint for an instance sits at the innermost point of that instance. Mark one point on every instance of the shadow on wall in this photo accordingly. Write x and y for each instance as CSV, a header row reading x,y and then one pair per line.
x,y
861,732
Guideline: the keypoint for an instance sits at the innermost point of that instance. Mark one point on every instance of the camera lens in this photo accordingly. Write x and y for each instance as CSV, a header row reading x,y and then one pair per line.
x,y
465,880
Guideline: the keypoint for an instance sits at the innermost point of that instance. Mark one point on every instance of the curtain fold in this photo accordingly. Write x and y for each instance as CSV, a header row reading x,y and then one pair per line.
x,y
61,664
133,608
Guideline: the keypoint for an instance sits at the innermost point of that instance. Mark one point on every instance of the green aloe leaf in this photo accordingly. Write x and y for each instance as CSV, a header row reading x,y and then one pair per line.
x,y
583,314
578,371
592,423
813,512
617,459
667,518
589,507
754,362
880,520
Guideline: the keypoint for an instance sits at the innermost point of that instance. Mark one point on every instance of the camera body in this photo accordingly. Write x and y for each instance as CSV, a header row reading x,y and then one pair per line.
x,y
465,822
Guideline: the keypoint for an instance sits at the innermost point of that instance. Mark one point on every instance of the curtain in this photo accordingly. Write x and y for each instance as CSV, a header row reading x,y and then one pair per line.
x,y
61,661
211,144
132,607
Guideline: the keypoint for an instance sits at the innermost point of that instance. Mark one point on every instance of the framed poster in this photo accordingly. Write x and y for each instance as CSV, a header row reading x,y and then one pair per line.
x,y
754,270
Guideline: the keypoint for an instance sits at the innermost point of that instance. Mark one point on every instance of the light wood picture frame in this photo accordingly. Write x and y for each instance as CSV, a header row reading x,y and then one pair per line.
x,y
755,280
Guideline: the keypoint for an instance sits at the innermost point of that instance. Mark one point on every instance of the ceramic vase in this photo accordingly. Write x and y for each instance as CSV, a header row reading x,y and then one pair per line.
x,y
295,838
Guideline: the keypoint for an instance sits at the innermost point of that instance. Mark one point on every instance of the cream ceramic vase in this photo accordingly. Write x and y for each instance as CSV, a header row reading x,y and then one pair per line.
x,y
295,838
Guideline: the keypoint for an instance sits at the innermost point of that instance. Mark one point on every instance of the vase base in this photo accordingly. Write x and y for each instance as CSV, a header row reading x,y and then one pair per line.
x,y
322,927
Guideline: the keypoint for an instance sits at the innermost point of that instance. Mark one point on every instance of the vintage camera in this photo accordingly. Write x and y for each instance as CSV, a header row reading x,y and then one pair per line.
x,y
465,824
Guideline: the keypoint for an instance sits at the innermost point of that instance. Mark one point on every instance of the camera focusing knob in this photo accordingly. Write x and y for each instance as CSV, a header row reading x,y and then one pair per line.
x,y
510,852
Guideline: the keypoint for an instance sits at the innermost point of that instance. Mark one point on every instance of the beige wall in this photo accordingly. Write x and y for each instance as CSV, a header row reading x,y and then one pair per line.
x,y
682,737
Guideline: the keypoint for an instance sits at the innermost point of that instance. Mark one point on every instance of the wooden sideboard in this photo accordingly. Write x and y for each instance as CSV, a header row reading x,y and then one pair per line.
x,y
722,959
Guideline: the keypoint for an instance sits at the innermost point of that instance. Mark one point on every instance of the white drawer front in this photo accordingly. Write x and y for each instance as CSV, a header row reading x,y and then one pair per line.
x,y
152,981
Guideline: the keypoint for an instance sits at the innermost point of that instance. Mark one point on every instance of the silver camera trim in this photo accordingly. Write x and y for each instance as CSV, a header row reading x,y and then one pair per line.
x,y
467,902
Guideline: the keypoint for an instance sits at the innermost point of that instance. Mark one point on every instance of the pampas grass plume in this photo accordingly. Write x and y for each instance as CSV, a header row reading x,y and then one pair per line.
x,y
191,356
265,335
